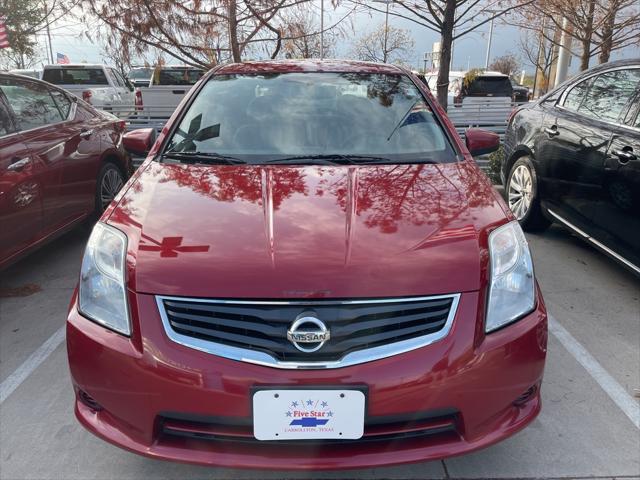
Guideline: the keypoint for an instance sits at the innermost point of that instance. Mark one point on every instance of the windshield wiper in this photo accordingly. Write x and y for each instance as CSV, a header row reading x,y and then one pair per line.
x,y
333,158
404,117
203,157
344,159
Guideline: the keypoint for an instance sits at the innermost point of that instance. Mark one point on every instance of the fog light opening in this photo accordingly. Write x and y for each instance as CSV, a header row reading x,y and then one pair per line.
x,y
526,396
89,401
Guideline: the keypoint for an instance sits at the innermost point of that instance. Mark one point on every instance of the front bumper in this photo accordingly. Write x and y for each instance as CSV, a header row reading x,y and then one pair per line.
x,y
476,381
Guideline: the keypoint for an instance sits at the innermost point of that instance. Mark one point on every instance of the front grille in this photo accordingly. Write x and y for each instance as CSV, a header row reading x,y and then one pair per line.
x,y
261,326
376,429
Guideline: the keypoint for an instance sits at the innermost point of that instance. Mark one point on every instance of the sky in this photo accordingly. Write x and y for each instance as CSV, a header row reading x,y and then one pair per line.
x,y
469,51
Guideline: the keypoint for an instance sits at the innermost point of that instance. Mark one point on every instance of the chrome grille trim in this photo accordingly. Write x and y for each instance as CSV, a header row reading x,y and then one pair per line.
x,y
353,358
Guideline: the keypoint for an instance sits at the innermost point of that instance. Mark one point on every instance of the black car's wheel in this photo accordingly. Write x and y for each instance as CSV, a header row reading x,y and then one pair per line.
x,y
110,181
522,195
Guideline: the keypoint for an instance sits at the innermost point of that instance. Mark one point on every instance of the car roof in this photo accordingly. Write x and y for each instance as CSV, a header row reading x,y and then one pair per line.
x,y
176,66
153,67
307,66
76,65
628,62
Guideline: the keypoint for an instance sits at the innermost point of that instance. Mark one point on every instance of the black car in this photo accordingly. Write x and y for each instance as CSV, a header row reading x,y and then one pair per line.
x,y
520,93
573,157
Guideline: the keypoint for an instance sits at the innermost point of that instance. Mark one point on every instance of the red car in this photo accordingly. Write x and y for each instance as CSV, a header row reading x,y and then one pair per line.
x,y
309,271
60,161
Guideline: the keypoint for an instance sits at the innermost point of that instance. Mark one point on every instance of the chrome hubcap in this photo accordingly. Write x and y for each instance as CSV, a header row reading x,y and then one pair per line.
x,y
520,191
111,184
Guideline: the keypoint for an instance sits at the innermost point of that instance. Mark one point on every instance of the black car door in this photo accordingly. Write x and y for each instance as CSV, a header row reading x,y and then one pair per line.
x,y
616,217
571,151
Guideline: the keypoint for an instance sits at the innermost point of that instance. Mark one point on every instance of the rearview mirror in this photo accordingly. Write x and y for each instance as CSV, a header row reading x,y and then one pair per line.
x,y
481,142
139,142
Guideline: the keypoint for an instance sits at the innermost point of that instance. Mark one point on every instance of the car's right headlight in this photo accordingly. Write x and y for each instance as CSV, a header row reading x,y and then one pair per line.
x,y
511,281
103,292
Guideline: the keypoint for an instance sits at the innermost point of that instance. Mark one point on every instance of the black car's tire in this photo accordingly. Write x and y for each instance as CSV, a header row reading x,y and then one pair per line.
x,y
521,191
109,182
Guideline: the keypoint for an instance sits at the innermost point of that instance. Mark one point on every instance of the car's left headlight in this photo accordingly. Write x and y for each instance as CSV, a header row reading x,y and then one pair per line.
x,y
103,292
511,281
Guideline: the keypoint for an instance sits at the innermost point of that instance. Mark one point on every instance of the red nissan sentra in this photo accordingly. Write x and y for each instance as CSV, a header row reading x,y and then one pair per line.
x,y
309,271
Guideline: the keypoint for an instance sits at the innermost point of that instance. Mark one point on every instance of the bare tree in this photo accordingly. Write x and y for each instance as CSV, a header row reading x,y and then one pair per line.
x,y
507,64
620,27
118,52
597,26
541,54
452,19
196,33
385,44
24,20
302,35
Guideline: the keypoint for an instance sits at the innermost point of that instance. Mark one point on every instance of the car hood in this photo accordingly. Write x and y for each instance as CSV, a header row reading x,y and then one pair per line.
x,y
307,231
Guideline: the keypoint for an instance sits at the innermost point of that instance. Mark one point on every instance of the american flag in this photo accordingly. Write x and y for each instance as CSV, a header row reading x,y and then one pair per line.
x,y
61,58
4,40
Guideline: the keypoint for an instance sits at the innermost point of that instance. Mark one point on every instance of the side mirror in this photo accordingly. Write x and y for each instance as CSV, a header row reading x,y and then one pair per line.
x,y
481,142
139,142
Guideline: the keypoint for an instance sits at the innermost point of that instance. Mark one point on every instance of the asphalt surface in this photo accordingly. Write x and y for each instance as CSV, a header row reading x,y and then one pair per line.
x,y
582,432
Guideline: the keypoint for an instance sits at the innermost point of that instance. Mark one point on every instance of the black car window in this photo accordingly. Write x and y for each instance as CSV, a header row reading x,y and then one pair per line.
x,y
576,95
75,76
610,93
632,116
62,102
32,103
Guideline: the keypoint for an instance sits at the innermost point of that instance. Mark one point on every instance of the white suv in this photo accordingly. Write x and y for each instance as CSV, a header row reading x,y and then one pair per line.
x,y
101,86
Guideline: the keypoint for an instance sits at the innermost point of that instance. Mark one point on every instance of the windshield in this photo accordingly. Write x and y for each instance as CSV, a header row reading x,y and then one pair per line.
x,y
489,86
176,76
75,76
266,117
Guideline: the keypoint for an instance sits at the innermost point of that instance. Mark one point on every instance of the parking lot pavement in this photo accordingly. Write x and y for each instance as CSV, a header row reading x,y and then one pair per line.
x,y
581,433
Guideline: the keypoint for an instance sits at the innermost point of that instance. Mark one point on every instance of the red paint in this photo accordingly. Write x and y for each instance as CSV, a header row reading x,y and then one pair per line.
x,y
139,141
335,232
406,217
481,142
481,382
55,189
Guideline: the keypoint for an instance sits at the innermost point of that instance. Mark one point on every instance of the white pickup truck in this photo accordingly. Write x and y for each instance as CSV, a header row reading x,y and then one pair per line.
x,y
100,85
168,86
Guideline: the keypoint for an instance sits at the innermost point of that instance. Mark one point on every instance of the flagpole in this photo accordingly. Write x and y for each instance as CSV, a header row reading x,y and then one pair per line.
x,y
321,29
48,32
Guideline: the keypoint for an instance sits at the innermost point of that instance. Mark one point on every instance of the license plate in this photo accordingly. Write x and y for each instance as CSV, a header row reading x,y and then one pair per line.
x,y
308,414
